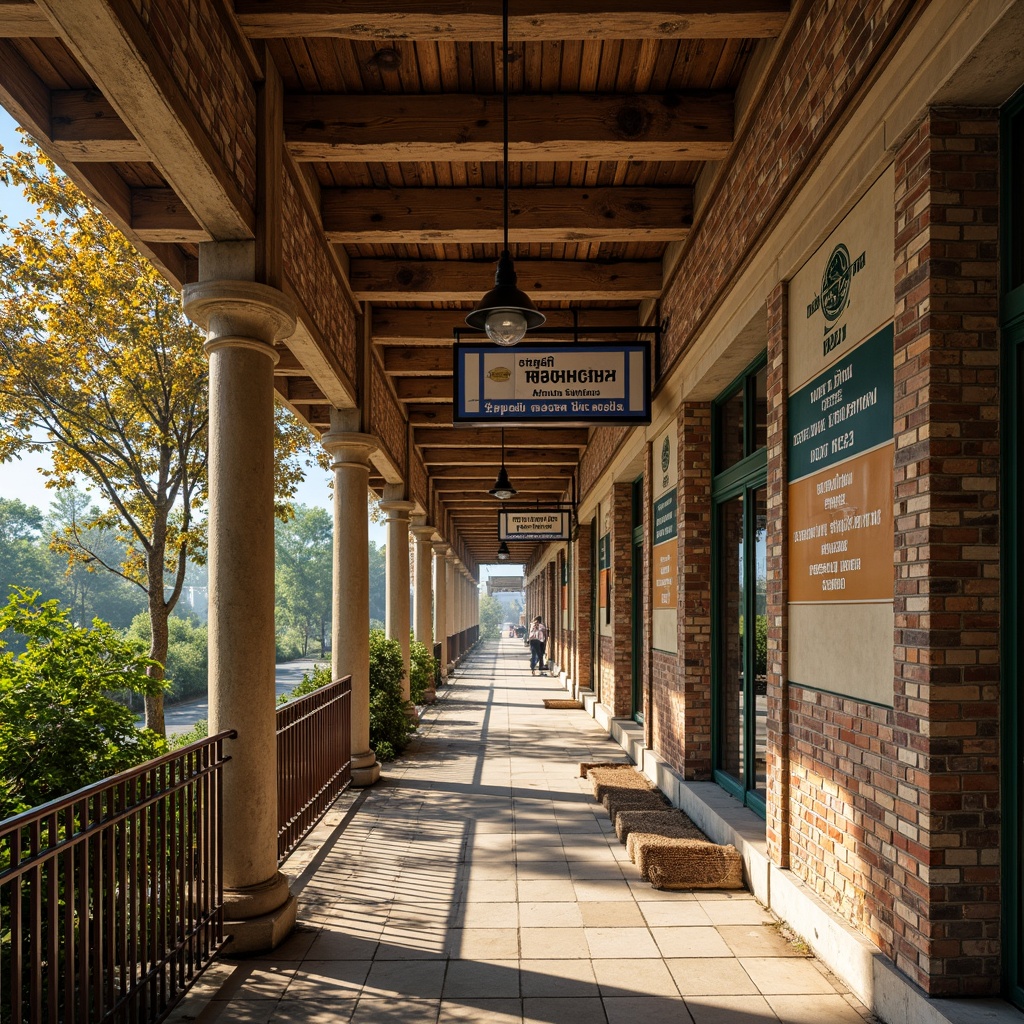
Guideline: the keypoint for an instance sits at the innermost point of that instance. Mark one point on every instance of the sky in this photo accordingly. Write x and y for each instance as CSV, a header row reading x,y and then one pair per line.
x,y
22,478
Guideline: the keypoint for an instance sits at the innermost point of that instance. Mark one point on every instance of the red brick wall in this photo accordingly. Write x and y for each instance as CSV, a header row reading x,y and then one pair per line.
x,y
819,65
691,730
621,701
778,811
583,635
947,553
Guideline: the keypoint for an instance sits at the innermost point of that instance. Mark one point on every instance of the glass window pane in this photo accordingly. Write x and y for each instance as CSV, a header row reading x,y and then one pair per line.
x,y
731,600
760,660
730,431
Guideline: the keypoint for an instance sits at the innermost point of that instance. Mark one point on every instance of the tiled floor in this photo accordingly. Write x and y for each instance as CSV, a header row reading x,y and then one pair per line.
x,y
479,881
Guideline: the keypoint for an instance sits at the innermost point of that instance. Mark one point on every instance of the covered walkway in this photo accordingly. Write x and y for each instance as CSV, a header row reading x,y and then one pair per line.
x,y
480,881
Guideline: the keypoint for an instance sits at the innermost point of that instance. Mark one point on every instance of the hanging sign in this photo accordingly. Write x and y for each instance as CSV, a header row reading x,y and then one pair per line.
x,y
534,524
572,384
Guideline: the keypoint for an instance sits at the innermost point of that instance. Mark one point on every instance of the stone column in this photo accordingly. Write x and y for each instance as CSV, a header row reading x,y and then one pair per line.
x,y
243,319
350,629
453,594
398,578
422,593
441,604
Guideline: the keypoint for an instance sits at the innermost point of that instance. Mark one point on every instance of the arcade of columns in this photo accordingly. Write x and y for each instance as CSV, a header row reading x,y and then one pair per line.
x,y
243,319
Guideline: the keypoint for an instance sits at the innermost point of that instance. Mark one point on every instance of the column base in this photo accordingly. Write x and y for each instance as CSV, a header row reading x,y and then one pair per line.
x,y
259,917
429,695
411,713
365,769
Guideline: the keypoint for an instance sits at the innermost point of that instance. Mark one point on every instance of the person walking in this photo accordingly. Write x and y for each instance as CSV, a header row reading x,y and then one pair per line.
x,y
538,642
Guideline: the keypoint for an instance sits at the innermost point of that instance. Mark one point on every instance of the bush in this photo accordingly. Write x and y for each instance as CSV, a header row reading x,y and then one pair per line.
x,y
760,645
187,668
390,726
199,731
59,728
422,670
321,677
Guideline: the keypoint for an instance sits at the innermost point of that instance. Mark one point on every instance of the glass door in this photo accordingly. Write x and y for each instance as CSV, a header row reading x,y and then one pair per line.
x,y
739,589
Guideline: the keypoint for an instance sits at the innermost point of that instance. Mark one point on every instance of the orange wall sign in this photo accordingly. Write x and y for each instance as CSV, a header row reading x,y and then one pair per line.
x,y
841,531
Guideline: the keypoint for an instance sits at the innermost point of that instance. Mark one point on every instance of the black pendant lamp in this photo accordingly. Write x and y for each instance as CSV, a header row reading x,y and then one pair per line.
x,y
505,312
503,552
502,489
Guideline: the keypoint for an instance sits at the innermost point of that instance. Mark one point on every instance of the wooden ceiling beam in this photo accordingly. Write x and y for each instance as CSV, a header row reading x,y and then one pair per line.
x,y
529,20
87,127
463,127
492,456
158,215
467,280
431,327
419,361
560,475
111,44
22,19
429,415
424,389
484,437
468,216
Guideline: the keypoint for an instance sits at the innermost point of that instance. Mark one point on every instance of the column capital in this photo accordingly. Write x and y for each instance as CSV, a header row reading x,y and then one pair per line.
x,y
423,534
397,511
240,314
349,447
440,547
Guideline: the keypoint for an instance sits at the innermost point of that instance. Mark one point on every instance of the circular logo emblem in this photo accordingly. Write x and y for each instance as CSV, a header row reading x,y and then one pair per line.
x,y
665,452
500,374
835,283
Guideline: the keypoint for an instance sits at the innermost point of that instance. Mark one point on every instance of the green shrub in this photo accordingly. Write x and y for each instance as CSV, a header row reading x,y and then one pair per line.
x,y
59,728
321,676
390,726
187,667
422,668
199,731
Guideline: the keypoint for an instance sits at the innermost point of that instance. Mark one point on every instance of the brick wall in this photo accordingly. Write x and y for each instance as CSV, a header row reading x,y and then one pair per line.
x,y
621,701
817,69
691,729
947,553
583,635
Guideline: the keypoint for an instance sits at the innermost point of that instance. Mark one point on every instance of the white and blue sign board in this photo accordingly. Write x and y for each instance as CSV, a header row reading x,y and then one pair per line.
x,y
570,383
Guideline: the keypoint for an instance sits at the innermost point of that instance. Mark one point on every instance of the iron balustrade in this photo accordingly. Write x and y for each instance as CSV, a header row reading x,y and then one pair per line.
x,y
111,898
314,763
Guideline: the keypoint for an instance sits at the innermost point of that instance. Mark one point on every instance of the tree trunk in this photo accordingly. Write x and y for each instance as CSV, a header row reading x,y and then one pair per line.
x,y
159,612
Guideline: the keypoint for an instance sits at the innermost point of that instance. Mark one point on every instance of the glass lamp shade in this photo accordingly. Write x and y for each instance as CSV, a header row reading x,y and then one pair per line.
x,y
503,552
505,313
502,489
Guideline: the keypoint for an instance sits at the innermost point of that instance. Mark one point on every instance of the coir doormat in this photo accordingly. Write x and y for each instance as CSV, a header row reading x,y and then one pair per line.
x,y
568,705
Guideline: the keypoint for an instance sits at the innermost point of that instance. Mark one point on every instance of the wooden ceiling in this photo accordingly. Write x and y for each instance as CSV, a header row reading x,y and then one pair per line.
x,y
616,106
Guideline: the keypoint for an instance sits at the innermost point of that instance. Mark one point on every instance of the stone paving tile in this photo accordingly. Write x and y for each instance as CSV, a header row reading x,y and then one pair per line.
x,y
481,882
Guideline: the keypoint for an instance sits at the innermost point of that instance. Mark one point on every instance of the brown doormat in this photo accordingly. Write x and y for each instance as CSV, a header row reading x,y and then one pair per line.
x,y
665,822
563,704
677,863
619,777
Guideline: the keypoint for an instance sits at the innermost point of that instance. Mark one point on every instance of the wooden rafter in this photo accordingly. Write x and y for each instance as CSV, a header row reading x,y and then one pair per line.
x,y
531,20
426,216
464,127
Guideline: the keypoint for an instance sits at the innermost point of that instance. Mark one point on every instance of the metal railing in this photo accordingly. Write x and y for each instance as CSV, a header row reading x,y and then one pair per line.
x,y
314,763
111,898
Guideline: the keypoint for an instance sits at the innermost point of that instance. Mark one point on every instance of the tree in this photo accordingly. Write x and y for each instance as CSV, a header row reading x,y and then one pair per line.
x,y
492,615
97,358
59,730
23,561
378,583
305,571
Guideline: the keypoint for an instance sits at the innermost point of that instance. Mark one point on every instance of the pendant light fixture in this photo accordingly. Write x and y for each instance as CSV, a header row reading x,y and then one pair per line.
x,y
505,312
503,552
502,489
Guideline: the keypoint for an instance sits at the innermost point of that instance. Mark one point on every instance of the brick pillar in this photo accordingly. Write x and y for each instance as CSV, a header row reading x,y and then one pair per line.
x,y
622,600
946,700
694,538
584,625
777,582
